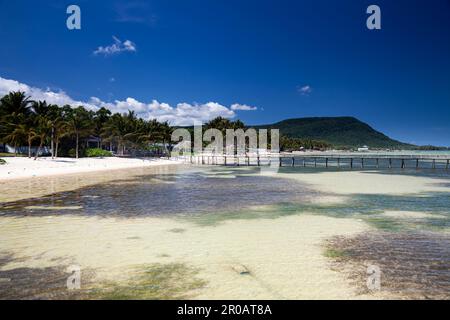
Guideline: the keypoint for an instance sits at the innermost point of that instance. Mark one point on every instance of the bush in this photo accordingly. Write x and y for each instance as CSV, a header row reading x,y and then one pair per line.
x,y
72,153
97,152
2,161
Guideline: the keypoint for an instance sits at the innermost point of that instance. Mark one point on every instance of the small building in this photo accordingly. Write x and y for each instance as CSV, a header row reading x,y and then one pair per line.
x,y
363,149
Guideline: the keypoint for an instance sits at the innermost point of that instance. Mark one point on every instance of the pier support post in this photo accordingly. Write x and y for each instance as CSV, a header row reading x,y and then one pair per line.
x,y
304,162
258,161
378,163
390,163
326,162
351,163
339,162
447,165
403,163
293,161
315,162
281,161
417,163
434,163
362,163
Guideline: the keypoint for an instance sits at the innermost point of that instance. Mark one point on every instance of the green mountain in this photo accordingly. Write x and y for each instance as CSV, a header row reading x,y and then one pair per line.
x,y
338,131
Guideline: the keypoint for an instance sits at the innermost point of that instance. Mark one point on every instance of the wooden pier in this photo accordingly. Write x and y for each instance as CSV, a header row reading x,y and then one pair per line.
x,y
351,161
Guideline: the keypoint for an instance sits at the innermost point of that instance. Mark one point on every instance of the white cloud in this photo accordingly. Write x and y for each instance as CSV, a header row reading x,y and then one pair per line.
x,y
117,47
305,90
181,114
242,107
52,97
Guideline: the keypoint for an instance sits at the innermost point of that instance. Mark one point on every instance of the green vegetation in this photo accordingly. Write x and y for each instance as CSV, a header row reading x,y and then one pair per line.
x,y
152,282
286,143
97,152
335,253
343,132
292,144
69,130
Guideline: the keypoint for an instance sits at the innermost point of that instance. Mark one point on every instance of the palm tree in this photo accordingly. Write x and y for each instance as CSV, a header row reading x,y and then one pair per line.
x,y
165,132
14,108
122,128
79,124
15,135
26,128
54,113
14,104
101,117
60,127
150,132
43,123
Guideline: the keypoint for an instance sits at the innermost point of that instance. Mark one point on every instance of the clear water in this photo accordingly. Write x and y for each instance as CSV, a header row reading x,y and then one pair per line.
x,y
211,195
215,194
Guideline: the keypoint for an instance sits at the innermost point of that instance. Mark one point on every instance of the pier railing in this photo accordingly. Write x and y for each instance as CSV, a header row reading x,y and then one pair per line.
x,y
353,161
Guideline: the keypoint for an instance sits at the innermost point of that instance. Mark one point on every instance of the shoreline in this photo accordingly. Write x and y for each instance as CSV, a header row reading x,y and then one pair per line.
x,y
17,168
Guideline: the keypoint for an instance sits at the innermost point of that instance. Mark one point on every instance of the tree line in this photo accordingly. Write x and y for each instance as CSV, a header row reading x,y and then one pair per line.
x,y
68,130
287,144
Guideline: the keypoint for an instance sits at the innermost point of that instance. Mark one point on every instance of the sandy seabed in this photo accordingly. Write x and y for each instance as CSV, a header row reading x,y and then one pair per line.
x,y
280,258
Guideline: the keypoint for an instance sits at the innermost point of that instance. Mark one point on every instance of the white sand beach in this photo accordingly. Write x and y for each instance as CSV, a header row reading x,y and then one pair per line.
x,y
22,167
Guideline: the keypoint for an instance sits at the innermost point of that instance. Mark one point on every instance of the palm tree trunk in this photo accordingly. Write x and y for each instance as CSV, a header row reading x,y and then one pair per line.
x,y
56,147
76,149
29,148
52,141
41,143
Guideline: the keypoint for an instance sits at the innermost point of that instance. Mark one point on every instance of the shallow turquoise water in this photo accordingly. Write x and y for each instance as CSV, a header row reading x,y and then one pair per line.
x,y
214,194
209,196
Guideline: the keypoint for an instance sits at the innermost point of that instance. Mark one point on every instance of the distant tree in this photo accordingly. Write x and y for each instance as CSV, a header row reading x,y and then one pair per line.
x,y
101,117
79,124
23,121
43,123
14,109
121,128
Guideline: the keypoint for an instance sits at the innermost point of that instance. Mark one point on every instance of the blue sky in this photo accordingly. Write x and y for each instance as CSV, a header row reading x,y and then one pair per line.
x,y
198,58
